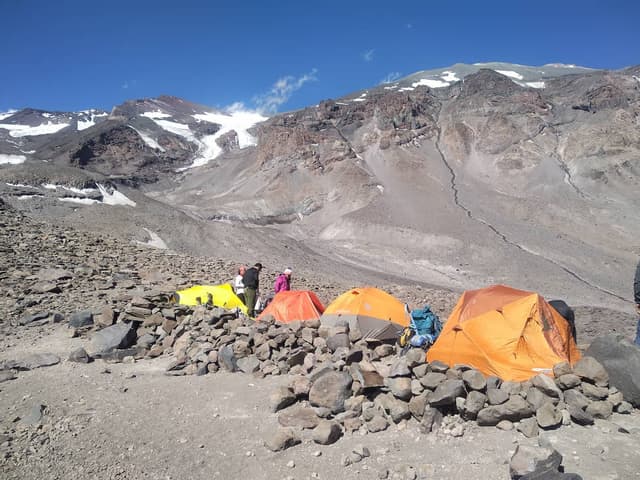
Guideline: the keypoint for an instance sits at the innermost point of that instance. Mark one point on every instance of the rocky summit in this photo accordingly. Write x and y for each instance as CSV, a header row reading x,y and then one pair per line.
x,y
444,180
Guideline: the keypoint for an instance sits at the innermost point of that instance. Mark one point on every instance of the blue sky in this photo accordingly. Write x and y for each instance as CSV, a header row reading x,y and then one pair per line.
x,y
283,55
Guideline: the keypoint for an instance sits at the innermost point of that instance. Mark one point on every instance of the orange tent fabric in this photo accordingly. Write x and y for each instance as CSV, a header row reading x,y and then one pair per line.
x,y
512,334
374,312
294,305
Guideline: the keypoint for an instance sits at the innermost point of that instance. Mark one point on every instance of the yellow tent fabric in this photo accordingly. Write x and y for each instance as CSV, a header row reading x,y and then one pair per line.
x,y
222,296
374,312
512,334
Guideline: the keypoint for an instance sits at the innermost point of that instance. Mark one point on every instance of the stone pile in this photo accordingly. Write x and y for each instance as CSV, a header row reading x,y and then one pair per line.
x,y
341,382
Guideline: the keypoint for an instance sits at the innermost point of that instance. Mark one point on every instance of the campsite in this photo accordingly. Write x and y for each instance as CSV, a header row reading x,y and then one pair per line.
x,y
311,389
319,240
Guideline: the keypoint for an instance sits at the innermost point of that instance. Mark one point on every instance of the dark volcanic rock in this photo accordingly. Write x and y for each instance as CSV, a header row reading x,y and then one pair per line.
x,y
331,390
621,359
300,417
447,392
327,432
514,409
120,335
281,440
79,355
81,319
31,362
590,370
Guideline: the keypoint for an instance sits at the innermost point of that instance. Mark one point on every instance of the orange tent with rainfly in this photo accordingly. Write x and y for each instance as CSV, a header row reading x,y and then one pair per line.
x,y
293,305
375,313
218,295
509,333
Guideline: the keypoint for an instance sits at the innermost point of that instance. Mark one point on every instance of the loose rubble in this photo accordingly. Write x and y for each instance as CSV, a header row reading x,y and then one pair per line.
x,y
338,385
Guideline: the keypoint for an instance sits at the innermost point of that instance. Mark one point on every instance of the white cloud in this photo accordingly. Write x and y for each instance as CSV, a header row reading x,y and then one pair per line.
x,y
280,92
409,26
391,77
368,55
128,83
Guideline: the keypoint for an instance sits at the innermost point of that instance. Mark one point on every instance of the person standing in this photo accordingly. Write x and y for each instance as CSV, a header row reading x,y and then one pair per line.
x,y
283,282
251,281
636,298
238,285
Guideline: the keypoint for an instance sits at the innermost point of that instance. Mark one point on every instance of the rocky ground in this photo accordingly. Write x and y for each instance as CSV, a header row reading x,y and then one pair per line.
x,y
124,417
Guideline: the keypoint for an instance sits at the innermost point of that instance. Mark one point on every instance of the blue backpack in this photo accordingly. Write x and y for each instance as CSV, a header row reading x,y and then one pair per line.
x,y
425,323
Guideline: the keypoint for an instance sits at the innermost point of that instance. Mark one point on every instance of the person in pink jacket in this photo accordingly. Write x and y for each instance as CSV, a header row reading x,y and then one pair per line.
x,y
283,282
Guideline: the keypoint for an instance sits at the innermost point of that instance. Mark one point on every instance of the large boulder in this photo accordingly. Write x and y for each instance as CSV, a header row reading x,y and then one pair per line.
x,y
548,416
546,385
446,393
81,319
31,362
514,409
301,417
120,335
281,398
475,402
592,371
327,432
331,390
474,380
529,460
227,358
621,359
400,387
281,440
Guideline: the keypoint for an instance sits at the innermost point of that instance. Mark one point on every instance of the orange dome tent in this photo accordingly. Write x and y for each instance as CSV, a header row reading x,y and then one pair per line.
x,y
512,334
294,305
374,312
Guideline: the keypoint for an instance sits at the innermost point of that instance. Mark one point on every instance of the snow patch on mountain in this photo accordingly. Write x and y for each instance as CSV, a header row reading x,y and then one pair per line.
x,y
535,84
11,159
155,114
80,191
115,197
510,74
449,76
29,131
155,241
7,114
177,128
148,140
430,83
20,185
238,121
91,121
81,201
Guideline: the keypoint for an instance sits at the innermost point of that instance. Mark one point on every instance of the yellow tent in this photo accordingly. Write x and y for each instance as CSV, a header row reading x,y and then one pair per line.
x,y
221,296
512,334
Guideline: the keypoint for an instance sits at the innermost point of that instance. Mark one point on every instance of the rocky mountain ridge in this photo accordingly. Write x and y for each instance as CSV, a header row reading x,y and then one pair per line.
x,y
432,182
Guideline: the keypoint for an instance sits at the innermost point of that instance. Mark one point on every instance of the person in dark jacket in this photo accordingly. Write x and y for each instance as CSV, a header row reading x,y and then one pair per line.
x,y
636,298
251,281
